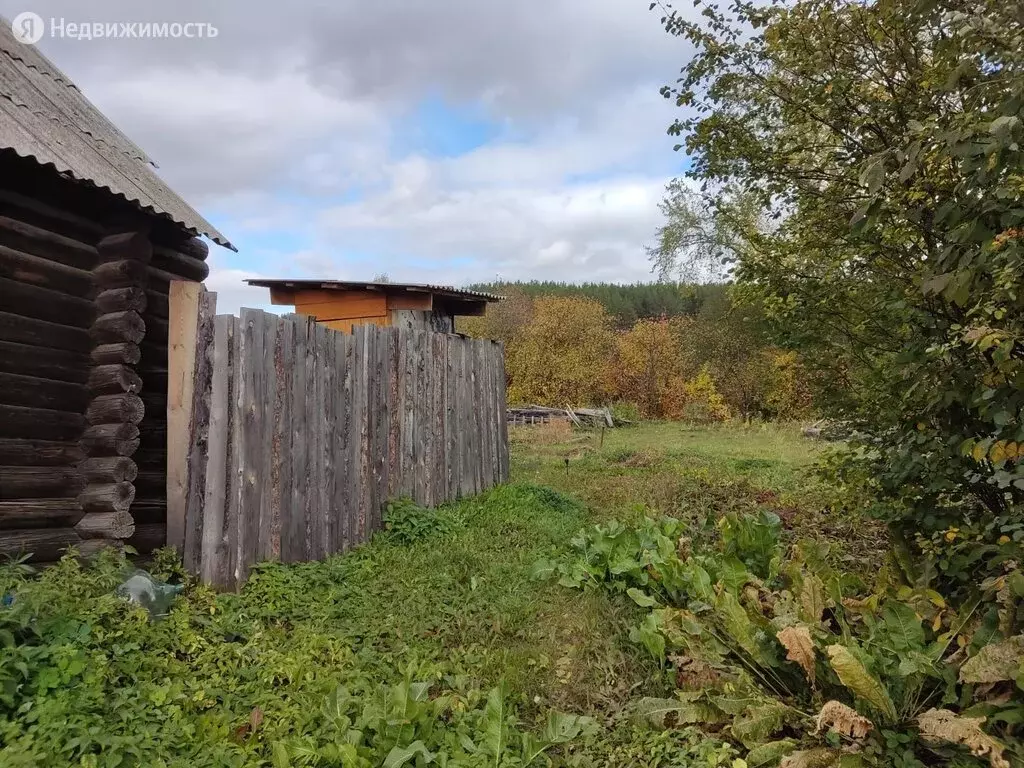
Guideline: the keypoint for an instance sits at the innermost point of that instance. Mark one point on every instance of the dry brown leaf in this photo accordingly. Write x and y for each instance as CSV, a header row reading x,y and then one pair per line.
x,y
694,674
943,725
836,716
799,648
255,718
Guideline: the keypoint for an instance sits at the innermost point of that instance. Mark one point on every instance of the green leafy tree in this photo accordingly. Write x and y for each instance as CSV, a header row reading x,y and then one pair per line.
x,y
882,144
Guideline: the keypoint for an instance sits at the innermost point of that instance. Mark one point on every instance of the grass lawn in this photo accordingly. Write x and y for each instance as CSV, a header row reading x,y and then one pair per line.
x,y
282,673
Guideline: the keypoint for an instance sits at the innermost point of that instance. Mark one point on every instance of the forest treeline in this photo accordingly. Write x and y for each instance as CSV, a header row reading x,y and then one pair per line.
x,y
659,350
625,304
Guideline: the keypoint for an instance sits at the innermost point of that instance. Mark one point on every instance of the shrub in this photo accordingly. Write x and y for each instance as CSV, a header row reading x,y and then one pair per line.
x,y
794,660
407,522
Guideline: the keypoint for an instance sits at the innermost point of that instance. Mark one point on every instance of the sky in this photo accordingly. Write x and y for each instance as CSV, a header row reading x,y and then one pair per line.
x,y
449,141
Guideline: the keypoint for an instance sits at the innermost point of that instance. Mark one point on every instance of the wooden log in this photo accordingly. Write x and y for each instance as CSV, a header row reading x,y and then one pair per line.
x,y
39,453
45,544
42,242
154,438
156,304
161,279
113,379
33,392
125,246
119,439
180,264
158,328
115,409
194,248
151,482
48,217
120,274
148,537
38,482
114,497
39,424
33,301
121,300
56,364
149,510
117,327
44,273
124,353
106,525
40,513
92,547
109,469
27,330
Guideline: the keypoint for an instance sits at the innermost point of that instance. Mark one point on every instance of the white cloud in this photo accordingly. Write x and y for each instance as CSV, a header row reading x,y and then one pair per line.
x,y
293,108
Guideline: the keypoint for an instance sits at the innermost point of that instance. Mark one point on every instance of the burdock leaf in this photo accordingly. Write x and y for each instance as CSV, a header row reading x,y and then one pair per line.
x,y
860,682
943,725
995,662
799,648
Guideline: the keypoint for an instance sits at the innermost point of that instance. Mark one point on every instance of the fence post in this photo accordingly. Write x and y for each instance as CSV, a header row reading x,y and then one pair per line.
x,y
183,313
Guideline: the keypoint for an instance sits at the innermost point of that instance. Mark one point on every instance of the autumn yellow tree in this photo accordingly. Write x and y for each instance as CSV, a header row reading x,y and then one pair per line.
x,y
504,320
559,358
647,369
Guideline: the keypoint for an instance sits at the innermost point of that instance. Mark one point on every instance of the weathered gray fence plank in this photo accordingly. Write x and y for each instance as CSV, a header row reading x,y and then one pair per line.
x,y
199,422
213,557
293,524
349,434
311,432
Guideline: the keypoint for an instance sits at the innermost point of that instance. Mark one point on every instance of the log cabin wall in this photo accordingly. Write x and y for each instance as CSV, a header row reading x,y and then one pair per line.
x,y
174,258
84,278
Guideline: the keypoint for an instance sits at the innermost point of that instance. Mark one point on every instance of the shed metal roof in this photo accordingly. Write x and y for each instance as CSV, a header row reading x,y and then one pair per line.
x,y
44,116
443,291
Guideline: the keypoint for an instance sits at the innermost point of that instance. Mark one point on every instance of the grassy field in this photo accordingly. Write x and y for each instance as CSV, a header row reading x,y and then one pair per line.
x,y
444,598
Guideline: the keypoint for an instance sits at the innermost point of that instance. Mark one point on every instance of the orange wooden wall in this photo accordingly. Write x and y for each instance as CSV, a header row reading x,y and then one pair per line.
x,y
343,310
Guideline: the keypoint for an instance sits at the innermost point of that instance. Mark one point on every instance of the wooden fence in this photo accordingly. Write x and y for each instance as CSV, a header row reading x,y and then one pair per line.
x,y
287,438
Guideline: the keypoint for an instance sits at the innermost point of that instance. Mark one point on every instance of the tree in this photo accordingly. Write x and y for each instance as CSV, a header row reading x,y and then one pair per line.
x,y
647,368
884,143
560,356
504,320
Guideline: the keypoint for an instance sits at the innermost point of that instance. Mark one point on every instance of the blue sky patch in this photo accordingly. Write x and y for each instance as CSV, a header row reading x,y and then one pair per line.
x,y
439,129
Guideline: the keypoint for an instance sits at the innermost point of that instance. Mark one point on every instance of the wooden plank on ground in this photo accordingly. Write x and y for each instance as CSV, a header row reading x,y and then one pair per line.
x,y
181,357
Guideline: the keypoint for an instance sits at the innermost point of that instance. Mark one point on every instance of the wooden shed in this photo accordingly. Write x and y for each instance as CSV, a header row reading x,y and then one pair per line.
x,y
344,304
90,239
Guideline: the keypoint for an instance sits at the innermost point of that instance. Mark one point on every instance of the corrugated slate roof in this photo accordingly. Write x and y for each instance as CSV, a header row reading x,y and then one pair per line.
x,y
44,116
445,291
